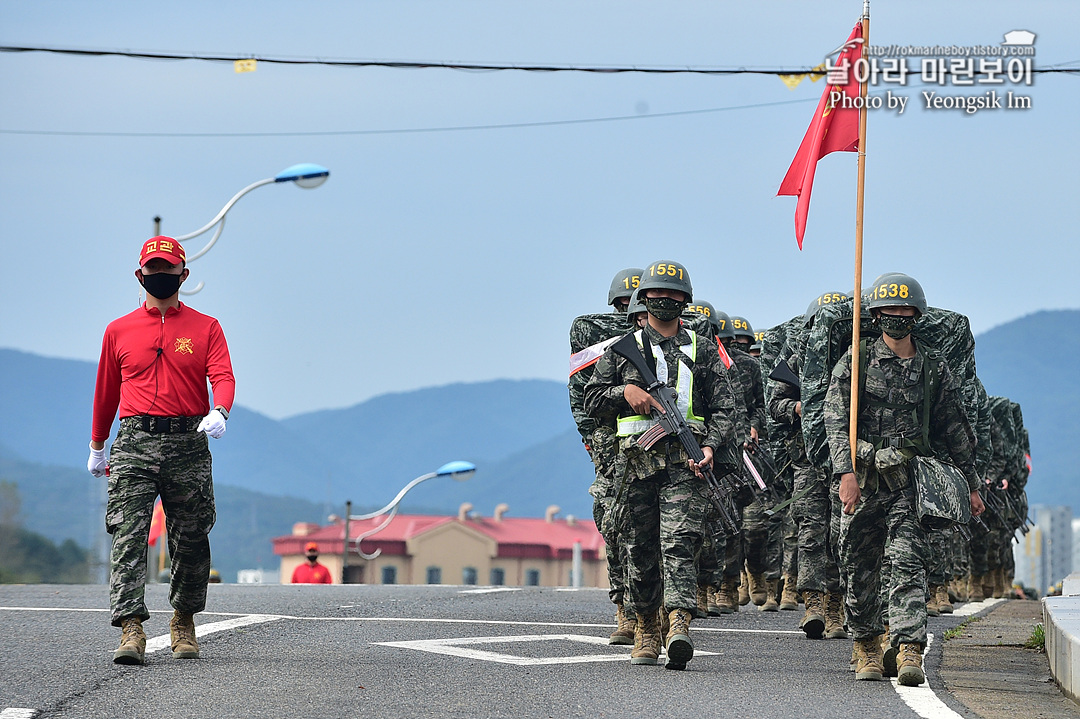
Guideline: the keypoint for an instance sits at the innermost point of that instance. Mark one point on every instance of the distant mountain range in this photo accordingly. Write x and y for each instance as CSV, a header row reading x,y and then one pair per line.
x,y
270,474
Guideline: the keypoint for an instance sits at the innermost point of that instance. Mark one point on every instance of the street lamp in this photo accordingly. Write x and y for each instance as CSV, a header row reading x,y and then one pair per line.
x,y
306,175
458,470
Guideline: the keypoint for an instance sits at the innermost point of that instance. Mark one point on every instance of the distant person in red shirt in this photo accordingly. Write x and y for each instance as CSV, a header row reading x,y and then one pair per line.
x,y
153,370
312,572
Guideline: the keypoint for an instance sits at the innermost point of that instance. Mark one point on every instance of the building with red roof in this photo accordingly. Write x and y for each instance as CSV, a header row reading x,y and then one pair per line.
x,y
466,549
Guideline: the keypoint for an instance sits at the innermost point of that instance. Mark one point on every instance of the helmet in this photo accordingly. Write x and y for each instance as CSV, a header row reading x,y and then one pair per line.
x,y
724,328
702,308
742,328
895,289
817,302
623,284
636,305
664,274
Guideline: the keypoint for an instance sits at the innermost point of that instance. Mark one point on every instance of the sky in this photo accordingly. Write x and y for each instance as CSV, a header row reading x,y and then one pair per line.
x,y
436,255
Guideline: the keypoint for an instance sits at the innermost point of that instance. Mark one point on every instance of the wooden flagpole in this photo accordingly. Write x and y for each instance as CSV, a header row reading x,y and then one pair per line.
x,y
856,318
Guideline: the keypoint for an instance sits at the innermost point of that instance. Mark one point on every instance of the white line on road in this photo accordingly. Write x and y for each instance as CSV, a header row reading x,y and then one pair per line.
x,y
18,713
490,590
455,647
156,644
418,620
966,610
922,700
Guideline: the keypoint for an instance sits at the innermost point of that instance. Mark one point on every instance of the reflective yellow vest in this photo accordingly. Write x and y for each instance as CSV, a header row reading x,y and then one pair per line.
x,y
684,389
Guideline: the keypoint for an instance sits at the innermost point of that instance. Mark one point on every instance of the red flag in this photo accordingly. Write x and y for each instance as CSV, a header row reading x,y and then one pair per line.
x,y
832,129
157,523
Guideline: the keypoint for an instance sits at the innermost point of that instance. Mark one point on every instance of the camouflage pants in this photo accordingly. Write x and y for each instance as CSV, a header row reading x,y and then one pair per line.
x,y
818,567
938,571
790,565
665,528
143,466
980,541
885,526
712,557
762,541
603,493
958,557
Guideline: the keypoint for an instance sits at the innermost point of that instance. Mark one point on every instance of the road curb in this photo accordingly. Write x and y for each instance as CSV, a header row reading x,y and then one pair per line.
x,y
1061,625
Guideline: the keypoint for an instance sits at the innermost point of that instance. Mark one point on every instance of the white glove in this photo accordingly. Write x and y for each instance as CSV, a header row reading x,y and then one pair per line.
x,y
213,424
97,464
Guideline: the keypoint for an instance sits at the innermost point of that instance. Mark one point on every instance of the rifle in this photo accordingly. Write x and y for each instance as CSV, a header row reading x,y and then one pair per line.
x,y
671,422
762,470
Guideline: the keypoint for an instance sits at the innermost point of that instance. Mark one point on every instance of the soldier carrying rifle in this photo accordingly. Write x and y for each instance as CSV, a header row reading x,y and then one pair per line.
x,y
664,494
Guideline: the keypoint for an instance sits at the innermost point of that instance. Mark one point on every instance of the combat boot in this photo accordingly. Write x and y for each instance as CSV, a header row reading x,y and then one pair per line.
x,y
909,670
813,621
988,583
834,616
868,660
646,639
944,606
624,626
854,657
999,582
680,649
132,649
770,604
662,617
728,596
757,589
789,598
931,603
182,632
702,609
715,610
975,588
888,655
744,589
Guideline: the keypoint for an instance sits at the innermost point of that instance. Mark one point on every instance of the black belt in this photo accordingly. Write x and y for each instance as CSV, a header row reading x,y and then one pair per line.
x,y
165,425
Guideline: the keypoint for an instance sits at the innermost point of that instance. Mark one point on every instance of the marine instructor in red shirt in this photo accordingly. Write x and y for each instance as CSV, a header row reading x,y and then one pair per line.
x,y
153,368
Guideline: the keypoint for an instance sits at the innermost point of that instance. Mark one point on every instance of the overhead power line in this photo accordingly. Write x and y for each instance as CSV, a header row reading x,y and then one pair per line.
x,y
474,67
408,130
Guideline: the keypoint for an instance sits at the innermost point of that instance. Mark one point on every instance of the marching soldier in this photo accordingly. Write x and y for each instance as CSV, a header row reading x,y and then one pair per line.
x,y
903,382
663,494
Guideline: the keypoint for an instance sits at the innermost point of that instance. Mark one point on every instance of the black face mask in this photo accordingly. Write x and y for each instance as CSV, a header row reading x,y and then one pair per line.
x,y
664,309
161,284
312,557
896,326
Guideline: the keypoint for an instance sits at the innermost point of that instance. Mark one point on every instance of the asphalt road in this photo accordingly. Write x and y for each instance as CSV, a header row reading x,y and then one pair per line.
x,y
424,651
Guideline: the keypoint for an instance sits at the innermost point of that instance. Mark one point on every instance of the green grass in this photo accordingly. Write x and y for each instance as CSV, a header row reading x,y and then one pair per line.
x,y
1037,640
959,628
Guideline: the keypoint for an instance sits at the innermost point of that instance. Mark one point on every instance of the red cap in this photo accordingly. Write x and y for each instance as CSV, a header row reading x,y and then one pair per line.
x,y
311,547
166,248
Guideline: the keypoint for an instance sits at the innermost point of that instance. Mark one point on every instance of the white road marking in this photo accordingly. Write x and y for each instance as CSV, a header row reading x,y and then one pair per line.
x,y
156,644
922,700
18,713
456,647
490,590
966,610
418,620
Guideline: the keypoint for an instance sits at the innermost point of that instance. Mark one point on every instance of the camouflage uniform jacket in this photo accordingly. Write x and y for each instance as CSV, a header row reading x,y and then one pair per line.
x,y
890,378
712,399
753,392
586,331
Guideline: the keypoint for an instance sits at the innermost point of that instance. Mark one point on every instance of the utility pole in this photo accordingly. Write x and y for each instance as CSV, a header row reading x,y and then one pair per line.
x,y
345,543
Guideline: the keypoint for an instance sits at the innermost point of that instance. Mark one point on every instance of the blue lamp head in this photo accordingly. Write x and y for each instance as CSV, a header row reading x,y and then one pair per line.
x,y
458,470
306,175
